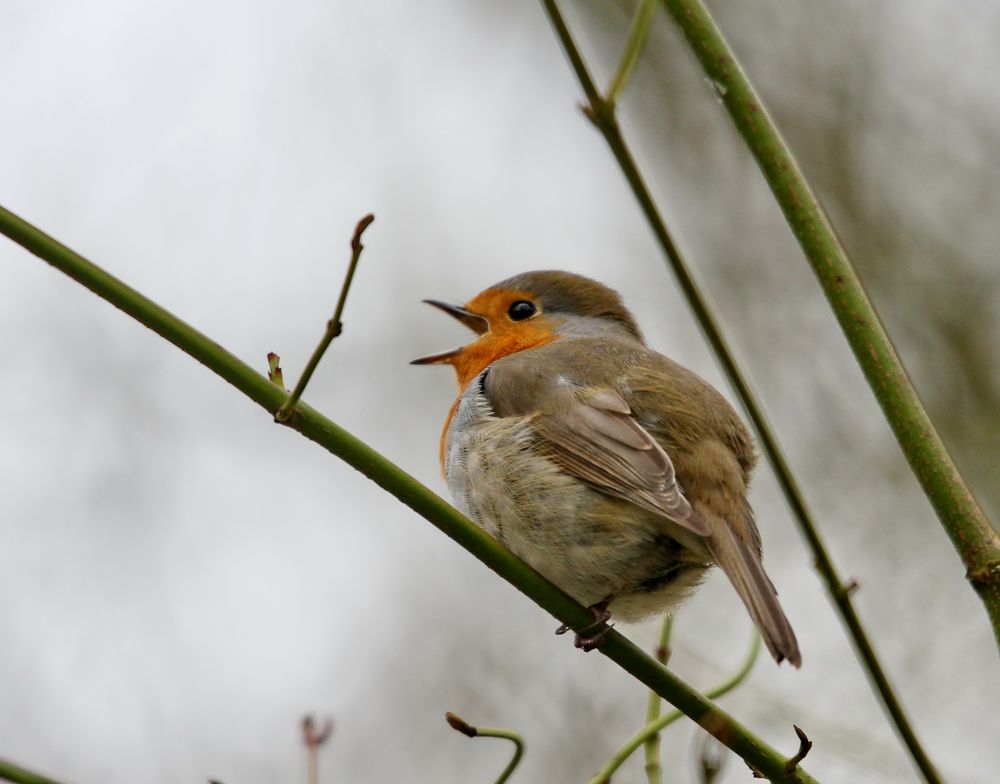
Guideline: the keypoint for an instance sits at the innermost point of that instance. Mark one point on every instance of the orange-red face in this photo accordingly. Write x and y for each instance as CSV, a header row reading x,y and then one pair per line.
x,y
507,321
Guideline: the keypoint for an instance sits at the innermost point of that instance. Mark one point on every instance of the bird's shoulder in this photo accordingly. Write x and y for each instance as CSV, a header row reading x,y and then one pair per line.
x,y
534,380
675,405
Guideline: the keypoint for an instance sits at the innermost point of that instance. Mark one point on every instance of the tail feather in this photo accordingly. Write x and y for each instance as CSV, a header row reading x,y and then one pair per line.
x,y
745,571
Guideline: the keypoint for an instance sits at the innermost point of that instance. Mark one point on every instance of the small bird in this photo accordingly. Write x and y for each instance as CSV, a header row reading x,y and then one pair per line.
x,y
612,470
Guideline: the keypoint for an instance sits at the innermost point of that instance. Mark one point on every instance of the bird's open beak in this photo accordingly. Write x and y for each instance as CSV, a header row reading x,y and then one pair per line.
x,y
473,321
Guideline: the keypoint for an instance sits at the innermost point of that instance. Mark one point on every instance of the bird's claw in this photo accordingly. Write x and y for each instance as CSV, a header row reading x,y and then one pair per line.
x,y
591,636
592,641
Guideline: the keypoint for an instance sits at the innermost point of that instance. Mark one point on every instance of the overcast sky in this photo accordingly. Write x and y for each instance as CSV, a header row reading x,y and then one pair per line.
x,y
180,580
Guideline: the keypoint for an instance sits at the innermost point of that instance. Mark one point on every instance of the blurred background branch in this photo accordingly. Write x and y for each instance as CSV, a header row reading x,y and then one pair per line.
x,y
657,724
460,725
11,772
313,737
602,113
637,35
972,535
391,478
652,743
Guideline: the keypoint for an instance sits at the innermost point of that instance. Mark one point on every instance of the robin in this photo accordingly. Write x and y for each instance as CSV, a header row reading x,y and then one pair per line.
x,y
612,470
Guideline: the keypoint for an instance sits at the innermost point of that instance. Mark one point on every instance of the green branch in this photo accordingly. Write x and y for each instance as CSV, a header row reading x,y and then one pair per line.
x,y
652,743
975,540
601,113
11,772
461,725
393,479
637,35
659,723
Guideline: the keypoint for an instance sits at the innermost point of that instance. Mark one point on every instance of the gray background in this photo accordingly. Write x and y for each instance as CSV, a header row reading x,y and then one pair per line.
x,y
180,580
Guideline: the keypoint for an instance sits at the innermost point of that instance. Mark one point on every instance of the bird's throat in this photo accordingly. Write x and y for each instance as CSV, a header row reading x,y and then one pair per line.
x,y
481,353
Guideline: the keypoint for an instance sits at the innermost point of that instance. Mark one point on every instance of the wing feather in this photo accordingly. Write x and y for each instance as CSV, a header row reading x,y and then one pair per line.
x,y
597,440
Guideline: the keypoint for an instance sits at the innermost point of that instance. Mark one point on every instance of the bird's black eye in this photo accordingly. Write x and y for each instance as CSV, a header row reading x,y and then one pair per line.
x,y
521,310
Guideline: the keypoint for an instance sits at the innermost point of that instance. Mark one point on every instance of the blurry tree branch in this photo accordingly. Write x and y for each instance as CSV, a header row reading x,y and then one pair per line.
x,y
602,113
390,477
652,743
11,772
633,48
460,725
975,540
657,724
313,737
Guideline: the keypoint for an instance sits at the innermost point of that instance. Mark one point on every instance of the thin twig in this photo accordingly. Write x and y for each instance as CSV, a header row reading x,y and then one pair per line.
x,y
974,538
602,115
460,725
652,745
333,327
637,36
805,745
657,726
312,738
393,479
793,762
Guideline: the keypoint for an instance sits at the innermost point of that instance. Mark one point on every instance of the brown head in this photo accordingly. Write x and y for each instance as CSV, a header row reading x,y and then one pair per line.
x,y
528,310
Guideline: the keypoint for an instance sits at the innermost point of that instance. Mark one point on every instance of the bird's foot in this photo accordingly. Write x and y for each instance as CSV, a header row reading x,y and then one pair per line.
x,y
592,635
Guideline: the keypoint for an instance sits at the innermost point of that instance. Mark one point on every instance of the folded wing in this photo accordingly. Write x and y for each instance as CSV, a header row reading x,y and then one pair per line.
x,y
597,440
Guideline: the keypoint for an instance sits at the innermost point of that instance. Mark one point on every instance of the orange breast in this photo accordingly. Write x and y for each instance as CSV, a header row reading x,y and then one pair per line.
x,y
481,353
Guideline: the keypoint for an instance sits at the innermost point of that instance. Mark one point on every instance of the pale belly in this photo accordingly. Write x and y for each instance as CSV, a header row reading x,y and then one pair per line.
x,y
591,545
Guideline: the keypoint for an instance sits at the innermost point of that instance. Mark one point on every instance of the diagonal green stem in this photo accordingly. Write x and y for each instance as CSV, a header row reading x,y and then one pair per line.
x,y
975,540
333,326
602,115
637,36
393,479
658,724
11,772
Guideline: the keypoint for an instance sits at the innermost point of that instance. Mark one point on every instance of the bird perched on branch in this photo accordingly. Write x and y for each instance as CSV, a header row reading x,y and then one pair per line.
x,y
612,470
